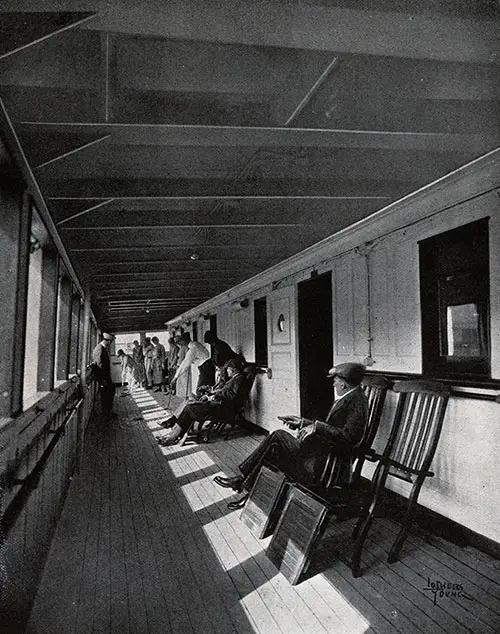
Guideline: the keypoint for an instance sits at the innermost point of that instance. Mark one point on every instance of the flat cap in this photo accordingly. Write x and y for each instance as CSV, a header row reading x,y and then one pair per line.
x,y
353,373
107,336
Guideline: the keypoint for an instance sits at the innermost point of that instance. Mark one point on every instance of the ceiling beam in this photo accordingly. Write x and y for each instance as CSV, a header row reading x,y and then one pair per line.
x,y
310,26
264,136
241,225
220,189
72,152
20,30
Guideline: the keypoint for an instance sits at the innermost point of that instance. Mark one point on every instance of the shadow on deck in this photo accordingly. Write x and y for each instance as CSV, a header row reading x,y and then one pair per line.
x,y
146,544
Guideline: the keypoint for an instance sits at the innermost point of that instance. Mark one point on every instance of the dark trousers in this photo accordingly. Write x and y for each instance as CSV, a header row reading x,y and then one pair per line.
x,y
282,451
107,396
197,411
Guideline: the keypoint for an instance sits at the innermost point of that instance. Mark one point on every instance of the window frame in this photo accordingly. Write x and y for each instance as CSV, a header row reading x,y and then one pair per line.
x,y
455,271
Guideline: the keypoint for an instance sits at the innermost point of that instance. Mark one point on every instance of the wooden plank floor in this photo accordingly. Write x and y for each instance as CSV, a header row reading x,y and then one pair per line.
x,y
146,545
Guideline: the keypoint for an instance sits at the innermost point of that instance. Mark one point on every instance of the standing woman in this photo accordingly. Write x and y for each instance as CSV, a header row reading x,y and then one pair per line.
x,y
138,357
148,348
172,360
130,371
159,356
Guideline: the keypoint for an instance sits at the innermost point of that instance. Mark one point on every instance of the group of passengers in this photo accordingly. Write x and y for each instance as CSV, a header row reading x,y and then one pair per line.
x,y
300,452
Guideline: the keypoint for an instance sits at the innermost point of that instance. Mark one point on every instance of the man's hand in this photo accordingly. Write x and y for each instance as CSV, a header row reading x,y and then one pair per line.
x,y
306,431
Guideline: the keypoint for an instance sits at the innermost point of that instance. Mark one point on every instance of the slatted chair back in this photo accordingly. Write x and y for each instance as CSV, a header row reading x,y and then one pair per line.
x,y
338,470
408,454
375,389
417,426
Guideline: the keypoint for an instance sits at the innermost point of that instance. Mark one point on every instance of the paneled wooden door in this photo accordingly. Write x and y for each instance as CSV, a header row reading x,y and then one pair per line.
x,y
282,329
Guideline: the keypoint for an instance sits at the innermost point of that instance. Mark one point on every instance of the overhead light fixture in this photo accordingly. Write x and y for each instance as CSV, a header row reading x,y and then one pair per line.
x,y
35,244
194,256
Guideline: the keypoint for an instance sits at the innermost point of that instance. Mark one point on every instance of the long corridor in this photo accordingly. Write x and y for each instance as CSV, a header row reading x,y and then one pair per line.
x,y
146,545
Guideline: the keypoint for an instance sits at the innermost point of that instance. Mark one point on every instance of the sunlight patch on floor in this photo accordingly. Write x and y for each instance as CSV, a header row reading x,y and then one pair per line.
x,y
180,466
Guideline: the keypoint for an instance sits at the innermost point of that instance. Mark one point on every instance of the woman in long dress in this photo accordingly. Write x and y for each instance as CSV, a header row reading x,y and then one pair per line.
x,y
130,371
159,356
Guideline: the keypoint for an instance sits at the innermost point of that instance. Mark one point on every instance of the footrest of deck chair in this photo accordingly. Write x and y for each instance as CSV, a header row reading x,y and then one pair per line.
x,y
300,524
265,502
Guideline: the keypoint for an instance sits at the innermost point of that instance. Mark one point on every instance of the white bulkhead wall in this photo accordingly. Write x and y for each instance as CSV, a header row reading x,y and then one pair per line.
x,y
384,250
465,486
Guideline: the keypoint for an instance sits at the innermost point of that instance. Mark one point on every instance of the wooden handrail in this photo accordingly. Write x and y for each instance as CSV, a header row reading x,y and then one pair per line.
x,y
30,482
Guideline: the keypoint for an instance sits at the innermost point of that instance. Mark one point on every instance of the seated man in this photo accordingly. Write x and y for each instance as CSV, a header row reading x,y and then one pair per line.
x,y
222,402
302,458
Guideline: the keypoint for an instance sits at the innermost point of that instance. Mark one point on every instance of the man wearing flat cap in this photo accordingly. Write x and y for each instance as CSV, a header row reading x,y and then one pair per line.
x,y
303,458
102,366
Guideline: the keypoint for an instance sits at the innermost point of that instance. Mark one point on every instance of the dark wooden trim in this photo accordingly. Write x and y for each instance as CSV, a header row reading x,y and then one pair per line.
x,y
10,202
486,384
19,326
48,320
75,333
64,327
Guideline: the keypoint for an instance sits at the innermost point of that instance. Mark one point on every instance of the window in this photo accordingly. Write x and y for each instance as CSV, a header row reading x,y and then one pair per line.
x,y
454,285
125,342
260,325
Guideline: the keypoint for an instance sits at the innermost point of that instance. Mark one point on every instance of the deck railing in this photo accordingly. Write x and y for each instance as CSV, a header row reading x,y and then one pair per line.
x,y
39,453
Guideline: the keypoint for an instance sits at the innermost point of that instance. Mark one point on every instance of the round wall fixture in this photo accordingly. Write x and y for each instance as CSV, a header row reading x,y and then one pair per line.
x,y
281,322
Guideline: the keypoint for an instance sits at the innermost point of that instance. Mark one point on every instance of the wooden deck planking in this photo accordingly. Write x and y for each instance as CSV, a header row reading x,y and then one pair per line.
x,y
155,549
272,614
435,563
445,568
252,547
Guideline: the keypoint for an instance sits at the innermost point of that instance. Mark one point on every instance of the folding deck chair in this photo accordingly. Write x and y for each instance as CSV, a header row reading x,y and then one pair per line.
x,y
408,454
202,431
291,550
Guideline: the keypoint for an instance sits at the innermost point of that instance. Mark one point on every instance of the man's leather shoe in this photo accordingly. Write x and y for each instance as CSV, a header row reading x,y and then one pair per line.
x,y
238,504
235,483
168,422
166,441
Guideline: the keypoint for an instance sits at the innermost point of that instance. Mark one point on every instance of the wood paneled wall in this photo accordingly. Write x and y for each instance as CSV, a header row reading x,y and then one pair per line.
x,y
39,452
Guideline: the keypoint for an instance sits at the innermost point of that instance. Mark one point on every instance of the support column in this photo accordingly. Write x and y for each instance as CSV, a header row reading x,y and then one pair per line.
x,y
63,328
15,223
48,321
85,337
75,332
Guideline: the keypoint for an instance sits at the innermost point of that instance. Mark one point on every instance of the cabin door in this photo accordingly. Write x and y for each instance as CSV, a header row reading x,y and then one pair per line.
x,y
283,351
315,345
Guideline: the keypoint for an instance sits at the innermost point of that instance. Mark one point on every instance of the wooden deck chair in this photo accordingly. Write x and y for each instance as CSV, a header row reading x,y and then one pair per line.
x,y
334,474
312,508
202,431
234,417
408,455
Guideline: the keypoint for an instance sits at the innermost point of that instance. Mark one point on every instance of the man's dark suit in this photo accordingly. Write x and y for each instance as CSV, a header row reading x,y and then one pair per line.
x,y
225,401
304,460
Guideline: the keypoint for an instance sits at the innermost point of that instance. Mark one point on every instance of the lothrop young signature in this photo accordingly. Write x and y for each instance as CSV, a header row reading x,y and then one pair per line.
x,y
442,589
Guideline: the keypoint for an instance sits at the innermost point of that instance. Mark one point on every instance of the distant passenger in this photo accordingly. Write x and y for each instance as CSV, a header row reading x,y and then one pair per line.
x,y
220,353
130,371
148,350
159,356
196,354
302,458
172,360
223,401
138,356
100,360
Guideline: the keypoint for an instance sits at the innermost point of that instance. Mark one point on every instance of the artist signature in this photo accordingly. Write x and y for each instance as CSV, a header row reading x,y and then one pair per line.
x,y
442,588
